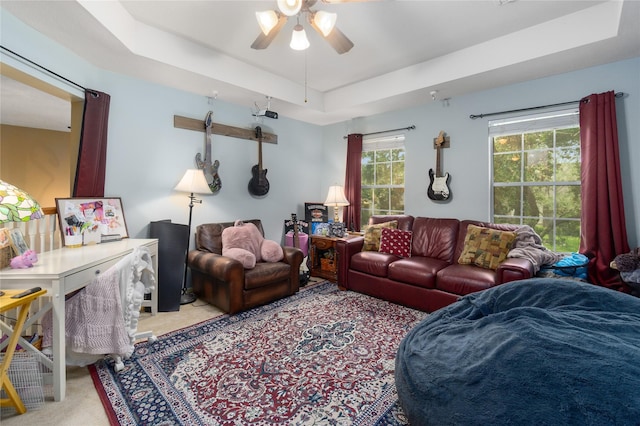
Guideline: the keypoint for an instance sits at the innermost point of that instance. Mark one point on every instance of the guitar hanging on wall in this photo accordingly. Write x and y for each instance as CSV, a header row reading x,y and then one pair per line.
x,y
210,170
439,186
259,185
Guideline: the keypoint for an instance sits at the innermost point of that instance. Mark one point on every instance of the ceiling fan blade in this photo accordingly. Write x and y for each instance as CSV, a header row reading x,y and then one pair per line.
x,y
336,38
263,41
339,41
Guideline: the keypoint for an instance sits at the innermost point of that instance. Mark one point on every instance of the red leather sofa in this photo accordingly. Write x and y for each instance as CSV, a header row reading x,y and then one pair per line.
x,y
431,278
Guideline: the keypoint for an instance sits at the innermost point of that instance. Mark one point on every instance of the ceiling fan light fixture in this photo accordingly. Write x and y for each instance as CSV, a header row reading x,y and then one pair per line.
x,y
325,21
299,39
290,7
267,20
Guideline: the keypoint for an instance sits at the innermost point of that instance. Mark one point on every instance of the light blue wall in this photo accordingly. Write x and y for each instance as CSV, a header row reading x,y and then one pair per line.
x,y
147,155
468,158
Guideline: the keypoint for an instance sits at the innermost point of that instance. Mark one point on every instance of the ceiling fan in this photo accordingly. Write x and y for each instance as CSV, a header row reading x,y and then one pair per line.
x,y
272,21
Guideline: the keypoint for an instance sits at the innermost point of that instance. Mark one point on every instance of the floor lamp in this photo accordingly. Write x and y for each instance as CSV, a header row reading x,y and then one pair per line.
x,y
192,182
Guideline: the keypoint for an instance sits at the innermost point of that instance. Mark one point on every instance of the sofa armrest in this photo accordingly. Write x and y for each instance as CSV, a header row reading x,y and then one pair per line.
x,y
345,248
513,269
217,266
293,256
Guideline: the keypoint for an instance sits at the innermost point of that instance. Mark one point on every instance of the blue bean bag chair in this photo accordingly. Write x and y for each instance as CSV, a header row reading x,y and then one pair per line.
x,y
533,352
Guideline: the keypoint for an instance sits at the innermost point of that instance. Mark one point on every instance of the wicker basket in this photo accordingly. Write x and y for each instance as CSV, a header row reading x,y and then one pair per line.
x,y
326,265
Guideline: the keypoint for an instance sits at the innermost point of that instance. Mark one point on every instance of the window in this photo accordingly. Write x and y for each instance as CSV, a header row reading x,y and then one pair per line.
x,y
536,176
382,177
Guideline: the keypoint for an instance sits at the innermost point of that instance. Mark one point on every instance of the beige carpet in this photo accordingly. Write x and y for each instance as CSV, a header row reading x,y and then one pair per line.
x,y
82,406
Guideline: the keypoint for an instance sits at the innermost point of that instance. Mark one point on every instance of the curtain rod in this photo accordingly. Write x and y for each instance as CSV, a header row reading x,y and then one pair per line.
x,y
47,70
473,117
412,127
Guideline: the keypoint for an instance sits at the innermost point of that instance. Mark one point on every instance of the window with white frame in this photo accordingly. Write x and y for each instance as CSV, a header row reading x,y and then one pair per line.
x,y
382,181
536,175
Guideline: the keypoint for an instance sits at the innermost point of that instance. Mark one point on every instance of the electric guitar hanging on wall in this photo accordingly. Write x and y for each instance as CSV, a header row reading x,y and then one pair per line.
x,y
439,187
259,185
210,170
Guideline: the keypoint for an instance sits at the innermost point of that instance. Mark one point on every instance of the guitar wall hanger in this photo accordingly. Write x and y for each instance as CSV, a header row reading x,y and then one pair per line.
x,y
198,125
446,143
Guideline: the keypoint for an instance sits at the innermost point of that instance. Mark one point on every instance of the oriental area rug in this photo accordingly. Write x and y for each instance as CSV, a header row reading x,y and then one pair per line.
x,y
320,357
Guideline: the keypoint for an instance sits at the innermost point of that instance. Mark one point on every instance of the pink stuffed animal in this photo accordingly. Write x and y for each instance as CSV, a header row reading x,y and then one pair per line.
x,y
244,243
25,260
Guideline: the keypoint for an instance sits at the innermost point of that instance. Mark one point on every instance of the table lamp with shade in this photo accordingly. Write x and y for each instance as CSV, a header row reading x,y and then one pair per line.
x,y
16,205
193,182
335,199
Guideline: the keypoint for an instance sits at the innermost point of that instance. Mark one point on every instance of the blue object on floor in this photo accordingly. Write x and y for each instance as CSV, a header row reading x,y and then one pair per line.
x,y
539,351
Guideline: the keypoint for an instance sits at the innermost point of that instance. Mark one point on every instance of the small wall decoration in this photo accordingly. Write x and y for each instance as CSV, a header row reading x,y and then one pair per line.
x,y
91,220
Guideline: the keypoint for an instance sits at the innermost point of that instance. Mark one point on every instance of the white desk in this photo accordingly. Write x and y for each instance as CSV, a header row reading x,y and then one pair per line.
x,y
63,271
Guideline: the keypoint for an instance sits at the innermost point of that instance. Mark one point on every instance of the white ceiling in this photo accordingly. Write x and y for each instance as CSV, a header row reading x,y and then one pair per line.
x,y
403,49
24,106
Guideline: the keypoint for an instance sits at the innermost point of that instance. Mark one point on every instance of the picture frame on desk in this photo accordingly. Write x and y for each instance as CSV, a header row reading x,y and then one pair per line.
x,y
18,243
92,220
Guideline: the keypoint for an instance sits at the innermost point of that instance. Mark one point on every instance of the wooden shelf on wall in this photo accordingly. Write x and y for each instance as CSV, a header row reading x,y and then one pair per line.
x,y
222,129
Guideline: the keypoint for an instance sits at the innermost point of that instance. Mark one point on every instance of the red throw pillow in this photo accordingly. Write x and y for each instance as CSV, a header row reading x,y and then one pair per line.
x,y
395,241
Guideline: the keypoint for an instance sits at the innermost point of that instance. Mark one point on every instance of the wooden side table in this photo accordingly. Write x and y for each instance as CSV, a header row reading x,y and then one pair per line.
x,y
7,303
322,255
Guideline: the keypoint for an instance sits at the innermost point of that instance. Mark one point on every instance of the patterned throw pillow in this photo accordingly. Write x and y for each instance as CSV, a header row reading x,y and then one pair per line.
x,y
486,247
372,235
395,241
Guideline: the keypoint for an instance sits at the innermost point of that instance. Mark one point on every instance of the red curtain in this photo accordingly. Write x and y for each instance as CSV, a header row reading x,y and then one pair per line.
x,y
603,228
352,181
92,155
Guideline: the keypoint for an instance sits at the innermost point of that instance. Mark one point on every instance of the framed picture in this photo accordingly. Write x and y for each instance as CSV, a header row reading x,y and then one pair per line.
x,y
316,212
18,243
336,229
91,220
320,228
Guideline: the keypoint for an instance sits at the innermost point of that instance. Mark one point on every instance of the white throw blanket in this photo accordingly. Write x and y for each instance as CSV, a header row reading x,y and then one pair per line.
x,y
136,272
528,245
102,318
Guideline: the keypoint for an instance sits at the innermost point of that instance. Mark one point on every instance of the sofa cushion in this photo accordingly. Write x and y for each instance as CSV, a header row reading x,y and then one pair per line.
x,y
209,235
464,225
372,262
486,247
395,241
434,237
372,235
266,274
465,279
419,271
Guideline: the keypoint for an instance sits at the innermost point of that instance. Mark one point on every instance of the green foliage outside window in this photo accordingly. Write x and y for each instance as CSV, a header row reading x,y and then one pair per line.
x,y
536,182
382,183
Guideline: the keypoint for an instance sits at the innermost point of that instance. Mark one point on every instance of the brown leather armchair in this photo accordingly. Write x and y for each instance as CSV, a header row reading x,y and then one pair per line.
x,y
223,282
